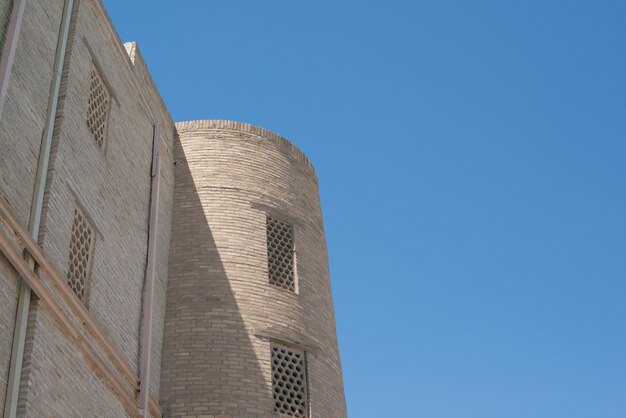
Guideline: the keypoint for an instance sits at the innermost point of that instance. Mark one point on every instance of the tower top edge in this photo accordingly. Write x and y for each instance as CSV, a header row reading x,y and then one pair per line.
x,y
229,125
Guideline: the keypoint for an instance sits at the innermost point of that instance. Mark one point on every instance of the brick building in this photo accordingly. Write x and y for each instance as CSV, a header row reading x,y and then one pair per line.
x,y
149,268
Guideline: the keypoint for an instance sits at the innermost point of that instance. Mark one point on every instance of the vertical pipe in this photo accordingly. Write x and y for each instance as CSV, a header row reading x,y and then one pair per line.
x,y
19,333
148,299
8,50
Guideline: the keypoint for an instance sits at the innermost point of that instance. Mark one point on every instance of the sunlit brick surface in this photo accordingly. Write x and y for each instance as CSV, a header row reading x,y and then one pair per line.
x,y
244,199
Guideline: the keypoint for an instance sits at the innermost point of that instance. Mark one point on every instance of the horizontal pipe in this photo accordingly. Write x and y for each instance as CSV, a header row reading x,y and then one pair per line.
x,y
69,297
46,299
66,291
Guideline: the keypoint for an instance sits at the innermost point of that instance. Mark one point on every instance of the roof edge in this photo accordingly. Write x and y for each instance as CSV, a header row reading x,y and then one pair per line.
x,y
219,124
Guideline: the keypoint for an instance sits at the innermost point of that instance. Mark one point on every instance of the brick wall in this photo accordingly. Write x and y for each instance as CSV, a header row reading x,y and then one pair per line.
x,y
165,210
222,313
57,380
5,13
110,185
21,125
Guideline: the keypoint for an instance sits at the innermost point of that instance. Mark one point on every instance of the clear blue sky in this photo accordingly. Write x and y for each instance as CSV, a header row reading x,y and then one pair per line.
x,y
472,165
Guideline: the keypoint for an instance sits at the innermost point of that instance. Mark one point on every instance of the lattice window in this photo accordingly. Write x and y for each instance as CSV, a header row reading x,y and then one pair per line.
x,y
81,245
289,382
280,249
98,108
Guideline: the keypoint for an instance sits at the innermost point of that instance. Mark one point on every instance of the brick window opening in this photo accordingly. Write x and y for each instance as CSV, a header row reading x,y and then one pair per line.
x,y
98,108
81,245
280,252
289,381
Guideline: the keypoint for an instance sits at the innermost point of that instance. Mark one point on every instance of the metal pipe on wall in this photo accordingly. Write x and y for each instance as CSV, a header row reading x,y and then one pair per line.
x,y
8,50
19,333
145,353
148,300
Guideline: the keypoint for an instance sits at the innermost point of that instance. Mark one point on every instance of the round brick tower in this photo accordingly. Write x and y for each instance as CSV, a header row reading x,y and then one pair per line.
x,y
250,327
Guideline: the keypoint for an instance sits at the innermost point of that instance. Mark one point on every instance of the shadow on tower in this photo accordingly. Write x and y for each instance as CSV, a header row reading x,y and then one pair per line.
x,y
209,366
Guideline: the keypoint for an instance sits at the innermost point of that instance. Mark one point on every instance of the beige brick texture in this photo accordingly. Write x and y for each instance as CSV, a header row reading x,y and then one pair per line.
x,y
222,312
216,314
110,185
21,125
57,380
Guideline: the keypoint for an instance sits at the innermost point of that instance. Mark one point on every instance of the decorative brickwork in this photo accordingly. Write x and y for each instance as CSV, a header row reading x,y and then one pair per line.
x,y
215,337
98,108
81,245
280,254
243,197
289,381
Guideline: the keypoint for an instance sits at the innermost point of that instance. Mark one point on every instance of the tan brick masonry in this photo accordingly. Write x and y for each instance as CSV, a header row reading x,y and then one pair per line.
x,y
222,312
